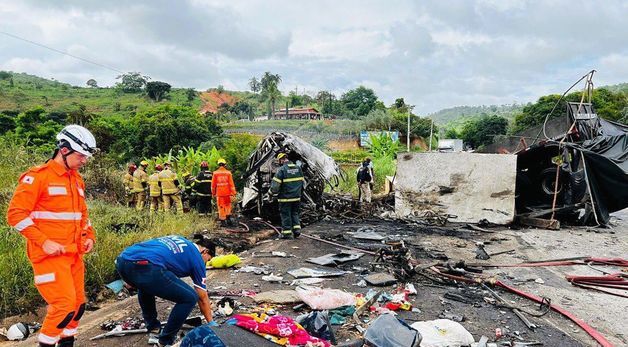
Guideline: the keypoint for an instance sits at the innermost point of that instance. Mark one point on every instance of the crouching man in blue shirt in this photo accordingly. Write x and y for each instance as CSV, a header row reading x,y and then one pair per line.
x,y
155,267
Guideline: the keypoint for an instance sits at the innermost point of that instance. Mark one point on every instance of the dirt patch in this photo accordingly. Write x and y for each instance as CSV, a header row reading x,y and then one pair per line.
x,y
212,100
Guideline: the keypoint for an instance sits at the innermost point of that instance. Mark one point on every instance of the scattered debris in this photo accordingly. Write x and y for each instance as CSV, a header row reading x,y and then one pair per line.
x,y
387,330
272,278
325,299
278,297
443,332
335,259
305,272
380,279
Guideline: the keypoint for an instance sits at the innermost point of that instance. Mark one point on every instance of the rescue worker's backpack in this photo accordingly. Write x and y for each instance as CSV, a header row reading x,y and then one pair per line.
x,y
364,174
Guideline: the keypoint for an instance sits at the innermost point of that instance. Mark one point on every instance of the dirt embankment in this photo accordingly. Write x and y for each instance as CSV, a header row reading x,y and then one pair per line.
x,y
212,100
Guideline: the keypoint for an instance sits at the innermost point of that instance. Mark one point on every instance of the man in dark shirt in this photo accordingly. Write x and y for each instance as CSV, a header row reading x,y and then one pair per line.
x,y
155,267
288,185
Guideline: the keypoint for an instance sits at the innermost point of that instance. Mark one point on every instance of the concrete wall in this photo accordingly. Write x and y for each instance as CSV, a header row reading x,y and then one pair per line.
x,y
470,186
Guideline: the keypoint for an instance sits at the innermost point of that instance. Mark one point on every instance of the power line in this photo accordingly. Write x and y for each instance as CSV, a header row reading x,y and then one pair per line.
x,y
62,52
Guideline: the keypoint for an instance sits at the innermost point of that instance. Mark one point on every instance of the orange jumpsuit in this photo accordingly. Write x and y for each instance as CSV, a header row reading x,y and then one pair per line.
x,y
223,189
49,204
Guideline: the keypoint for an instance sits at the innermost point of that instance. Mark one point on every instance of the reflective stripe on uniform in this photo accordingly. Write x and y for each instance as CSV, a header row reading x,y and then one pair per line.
x,y
45,278
296,227
277,179
56,215
69,332
47,339
289,200
295,179
24,223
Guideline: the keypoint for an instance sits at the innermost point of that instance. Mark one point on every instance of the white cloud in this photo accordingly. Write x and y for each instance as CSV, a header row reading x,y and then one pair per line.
x,y
434,54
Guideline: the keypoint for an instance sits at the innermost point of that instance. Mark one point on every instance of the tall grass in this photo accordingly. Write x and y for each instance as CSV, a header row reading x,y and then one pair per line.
x,y
17,292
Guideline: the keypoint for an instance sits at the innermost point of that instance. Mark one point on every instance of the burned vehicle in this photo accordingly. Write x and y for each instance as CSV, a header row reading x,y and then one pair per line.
x,y
319,171
572,168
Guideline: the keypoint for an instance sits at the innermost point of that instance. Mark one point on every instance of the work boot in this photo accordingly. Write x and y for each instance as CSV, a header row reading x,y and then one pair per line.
x,y
296,233
287,236
66,342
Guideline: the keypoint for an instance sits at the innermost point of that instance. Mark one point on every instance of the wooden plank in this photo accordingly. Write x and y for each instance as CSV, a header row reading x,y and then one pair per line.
x,y
551,224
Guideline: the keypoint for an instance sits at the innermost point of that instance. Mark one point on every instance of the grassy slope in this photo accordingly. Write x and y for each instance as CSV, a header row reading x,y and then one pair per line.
x,y
30,91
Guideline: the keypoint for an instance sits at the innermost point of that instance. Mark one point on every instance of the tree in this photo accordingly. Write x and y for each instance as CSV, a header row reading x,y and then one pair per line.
x,y
191,94
255,85
79,115
157,90
360,101
220,89
92,83
481,131
5,75
7,123
270,89
294,99
132,82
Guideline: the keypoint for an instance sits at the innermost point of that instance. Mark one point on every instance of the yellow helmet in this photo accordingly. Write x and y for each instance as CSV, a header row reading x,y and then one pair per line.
x,y
222,161
144,163
281,155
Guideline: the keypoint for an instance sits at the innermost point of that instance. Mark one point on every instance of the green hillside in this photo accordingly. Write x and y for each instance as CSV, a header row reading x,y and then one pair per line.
x,y
455,116
20,92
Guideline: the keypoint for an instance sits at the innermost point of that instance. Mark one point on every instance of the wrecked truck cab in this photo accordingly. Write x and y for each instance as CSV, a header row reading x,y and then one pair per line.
x,y
577,173
319,171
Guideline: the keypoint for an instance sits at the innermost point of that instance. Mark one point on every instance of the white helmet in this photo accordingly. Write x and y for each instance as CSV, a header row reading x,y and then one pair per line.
x,y
79,139
18,331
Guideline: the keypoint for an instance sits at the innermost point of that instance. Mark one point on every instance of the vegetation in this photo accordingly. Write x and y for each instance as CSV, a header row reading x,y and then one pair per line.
x,y
482,131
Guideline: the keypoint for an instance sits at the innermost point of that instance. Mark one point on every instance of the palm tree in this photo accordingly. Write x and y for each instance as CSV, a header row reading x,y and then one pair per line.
x,y
255,85
270,90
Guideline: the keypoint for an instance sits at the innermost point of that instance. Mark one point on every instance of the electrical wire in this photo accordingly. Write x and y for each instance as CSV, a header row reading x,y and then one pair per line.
x,y
60,51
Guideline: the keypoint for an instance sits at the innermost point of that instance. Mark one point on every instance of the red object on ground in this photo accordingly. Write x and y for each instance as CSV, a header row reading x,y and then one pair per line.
x,y
582,324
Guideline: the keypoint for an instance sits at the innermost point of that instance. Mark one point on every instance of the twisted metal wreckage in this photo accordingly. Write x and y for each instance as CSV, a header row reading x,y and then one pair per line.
x,y
319,171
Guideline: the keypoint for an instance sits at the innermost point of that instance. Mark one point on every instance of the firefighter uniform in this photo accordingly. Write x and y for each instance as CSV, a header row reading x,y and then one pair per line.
x,y
128,189
140,179
202,189
49,204
223,189
170,189
287,185
154,190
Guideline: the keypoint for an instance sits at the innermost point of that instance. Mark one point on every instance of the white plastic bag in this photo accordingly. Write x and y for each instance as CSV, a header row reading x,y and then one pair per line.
x,y
443,333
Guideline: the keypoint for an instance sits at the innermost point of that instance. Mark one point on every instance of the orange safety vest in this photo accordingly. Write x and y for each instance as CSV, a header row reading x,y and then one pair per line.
x,y
49,203
222,183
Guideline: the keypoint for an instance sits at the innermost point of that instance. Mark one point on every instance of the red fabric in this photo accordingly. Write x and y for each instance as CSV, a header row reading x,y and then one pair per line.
x,y
279,326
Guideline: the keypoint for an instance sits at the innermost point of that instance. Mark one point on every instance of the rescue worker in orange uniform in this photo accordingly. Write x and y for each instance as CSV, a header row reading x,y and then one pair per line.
x,y
154,190
140,184
223,189
128,185
48,208
170,189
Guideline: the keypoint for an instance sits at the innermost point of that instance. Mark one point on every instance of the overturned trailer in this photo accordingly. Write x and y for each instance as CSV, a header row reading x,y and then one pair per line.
x,y
319,171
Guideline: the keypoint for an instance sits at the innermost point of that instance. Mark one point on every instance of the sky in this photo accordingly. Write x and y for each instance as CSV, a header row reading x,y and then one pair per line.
x,y
434,54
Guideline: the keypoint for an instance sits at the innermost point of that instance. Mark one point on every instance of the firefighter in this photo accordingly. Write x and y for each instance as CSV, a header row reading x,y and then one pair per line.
x,y
170,188
154,190
287,186
202,189
188,197
128,185
140,184
223,189
48,208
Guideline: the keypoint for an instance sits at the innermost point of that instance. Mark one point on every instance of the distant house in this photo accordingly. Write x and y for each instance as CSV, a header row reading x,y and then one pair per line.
x,y
298,113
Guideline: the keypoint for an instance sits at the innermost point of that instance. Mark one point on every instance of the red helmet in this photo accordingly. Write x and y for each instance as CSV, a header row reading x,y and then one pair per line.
x,y
158,167
132,167
204,164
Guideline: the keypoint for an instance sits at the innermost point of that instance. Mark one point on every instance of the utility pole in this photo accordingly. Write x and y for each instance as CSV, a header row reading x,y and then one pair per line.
x,y
431,132
408,132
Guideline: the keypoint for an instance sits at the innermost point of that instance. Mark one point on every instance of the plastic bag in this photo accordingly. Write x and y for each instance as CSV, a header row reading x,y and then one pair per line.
x,y
317,324
224,261
325,299
388,331
443,333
